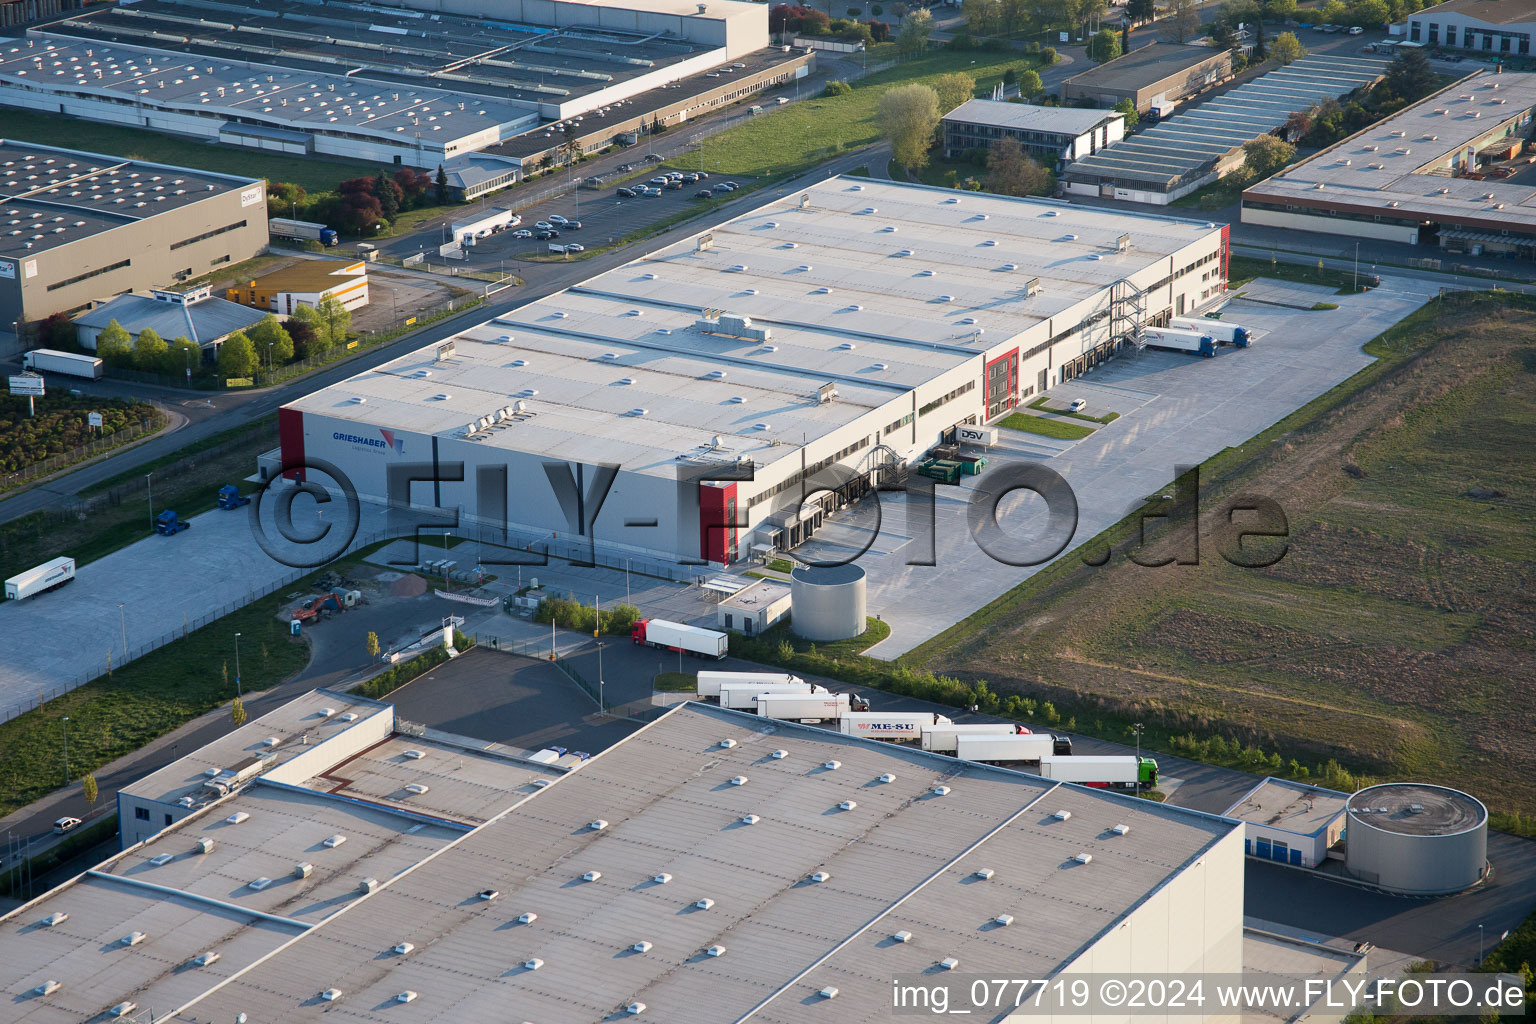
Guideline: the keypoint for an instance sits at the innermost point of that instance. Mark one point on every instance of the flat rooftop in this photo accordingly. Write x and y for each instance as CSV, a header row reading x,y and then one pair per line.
x,y
1144,65
760,594
902,859
1278,803
1496,12
50,196
1401,164
243,87
1192,141
1417,809
1027,117
519,63
874,287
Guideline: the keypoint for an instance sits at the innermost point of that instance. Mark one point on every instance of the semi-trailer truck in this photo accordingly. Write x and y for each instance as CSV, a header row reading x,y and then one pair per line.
x,y
1108,772
1179,340
1017,749
941,738
903,726
678,636
809,707
48,576
307,230
743,697
1225,332
72,364
710,682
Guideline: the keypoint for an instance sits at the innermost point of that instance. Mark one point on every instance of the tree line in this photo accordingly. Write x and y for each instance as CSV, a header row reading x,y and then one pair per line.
x,y
360,206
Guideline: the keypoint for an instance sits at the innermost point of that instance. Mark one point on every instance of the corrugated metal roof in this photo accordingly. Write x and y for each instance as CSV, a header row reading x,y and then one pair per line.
x,y
205,321
1188,144
1027,117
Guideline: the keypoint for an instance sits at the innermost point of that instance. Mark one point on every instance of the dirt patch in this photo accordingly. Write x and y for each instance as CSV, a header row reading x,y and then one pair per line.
x,y
408,586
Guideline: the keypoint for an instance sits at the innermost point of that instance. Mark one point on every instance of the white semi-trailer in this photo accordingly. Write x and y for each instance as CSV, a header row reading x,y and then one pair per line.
x,y
941,738
45,577
710,682
1017,749
679,636
809,707
739,697
1179,340
1225,332
72,364
1112,772
904,726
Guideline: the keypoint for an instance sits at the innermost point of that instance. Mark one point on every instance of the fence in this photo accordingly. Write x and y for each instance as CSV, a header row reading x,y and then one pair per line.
x,y
63,460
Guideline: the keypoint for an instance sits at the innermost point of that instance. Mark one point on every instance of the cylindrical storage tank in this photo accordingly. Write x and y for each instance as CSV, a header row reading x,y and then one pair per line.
x,y
1416,839
827,602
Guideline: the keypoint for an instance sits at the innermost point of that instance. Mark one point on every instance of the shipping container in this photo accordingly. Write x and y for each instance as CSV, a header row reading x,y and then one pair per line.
x,y
678,636
71,364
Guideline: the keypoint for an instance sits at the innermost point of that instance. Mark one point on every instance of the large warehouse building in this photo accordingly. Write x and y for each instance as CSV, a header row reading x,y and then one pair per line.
x,y
76,227
1498,28
418,84
707,868
853,324
1436,173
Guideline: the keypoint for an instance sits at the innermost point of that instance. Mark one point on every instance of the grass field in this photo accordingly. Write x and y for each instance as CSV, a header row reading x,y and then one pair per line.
x,y
787,141
316,174
115,716
1045,427
1243,269
1044,402
1397,634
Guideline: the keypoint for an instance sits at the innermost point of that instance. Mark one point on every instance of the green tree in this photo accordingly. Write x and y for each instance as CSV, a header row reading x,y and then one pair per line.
x,y
1260,51
1279,10
336,318
1104,46
953,89
916,27
440,184
237,712
114,344
1223,35
1409,75
1011,173
371,645
309,332
286,197
1334,12
909,115
1048,56
182,355
1030,85
1127,107
270,332
1370,13
1287,48
1265,155
237,356
88,789
149,351
1139,11
1185,20
388,194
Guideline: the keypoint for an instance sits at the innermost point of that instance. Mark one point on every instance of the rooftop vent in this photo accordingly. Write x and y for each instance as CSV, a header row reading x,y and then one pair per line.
x,y
985,873
870,209
832,766
847,805
55,918
417,788
641,947
715,950
204,959
591,876
940,791
162,860
904,252
925,273
818,876
527,918
727,744
1084,858
949,963
626,380
750,819
1069,238
368,885
488,894
704,904
830,992
47,988
1003,920
404,948
350,716
259,884
902,937
635,1009
330,995
236,818
414,755
204,845
598,825
889,229
638,412
334,841
133,938
406,997
532,964
661,879
779,755
123,1009
887,777
758,426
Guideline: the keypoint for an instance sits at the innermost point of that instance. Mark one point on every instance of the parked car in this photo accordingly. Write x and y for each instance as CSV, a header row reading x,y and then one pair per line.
x,y
722,188
623,168
522,233
659,181
783,100
652,190
690,177
703,175
1078,405
673,184
573,225
732,186
544,225
703,193
626,193
557,220
1356,30
65,825
653,158
575,247
547,233
674,175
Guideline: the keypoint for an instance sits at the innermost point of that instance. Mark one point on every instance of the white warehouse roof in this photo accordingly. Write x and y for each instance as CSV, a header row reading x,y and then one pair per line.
x,y
874,287
1028,117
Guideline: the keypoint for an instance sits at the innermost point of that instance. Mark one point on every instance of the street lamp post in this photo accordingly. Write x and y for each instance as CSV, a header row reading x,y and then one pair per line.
x,y
66,759
149,485
600,704
238,692
1357,266
1137,729
1479,927
122,620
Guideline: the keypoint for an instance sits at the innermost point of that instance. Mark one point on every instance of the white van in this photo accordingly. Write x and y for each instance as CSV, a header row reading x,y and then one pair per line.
x,y
1355,30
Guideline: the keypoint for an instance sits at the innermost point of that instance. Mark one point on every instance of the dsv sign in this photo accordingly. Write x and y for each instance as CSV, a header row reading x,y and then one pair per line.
x,y
581,491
